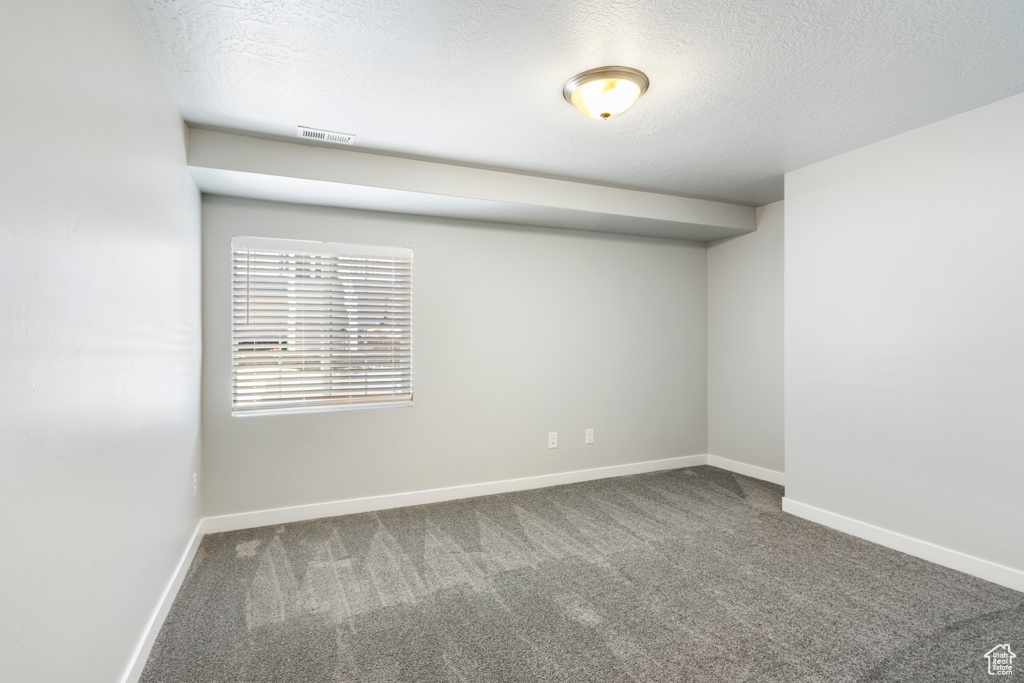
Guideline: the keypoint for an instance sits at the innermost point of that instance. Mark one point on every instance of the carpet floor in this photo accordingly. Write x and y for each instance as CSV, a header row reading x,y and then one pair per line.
x,y
687,575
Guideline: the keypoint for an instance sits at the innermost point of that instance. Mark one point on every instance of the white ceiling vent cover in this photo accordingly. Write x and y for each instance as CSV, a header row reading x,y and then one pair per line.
x,y
326,136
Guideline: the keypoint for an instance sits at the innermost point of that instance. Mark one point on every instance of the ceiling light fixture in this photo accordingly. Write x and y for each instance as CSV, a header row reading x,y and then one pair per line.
x,y
606,91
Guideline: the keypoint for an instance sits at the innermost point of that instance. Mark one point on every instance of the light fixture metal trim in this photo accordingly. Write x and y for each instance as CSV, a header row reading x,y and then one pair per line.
x,y
639,78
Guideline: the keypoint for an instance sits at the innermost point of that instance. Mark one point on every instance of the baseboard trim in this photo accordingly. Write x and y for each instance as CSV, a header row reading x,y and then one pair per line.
x,y
762,473
284,515
138,660
947,557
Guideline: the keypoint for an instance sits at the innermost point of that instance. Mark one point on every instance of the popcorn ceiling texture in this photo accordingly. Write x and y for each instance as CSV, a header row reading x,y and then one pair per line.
x,y
740,91
686,575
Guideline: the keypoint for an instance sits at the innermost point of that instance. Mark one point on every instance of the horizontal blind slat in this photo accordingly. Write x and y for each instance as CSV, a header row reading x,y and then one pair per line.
x,y
294,395
323,313
278,350
274,384
321,391
321,381
272,257
274,272
269,370
254,402
324,391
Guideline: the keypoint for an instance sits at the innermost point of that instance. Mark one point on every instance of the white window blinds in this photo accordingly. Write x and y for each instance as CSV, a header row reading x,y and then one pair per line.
x,y
318,325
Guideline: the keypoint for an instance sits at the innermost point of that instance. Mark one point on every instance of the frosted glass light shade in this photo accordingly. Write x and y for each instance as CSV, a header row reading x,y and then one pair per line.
x,y
605,92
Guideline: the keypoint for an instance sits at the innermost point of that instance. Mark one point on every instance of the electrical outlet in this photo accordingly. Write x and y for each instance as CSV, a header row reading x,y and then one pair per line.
x,y
552,439
589,436
195,484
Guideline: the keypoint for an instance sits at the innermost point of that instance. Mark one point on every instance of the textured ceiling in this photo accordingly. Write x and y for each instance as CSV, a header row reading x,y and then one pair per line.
x,y
741,90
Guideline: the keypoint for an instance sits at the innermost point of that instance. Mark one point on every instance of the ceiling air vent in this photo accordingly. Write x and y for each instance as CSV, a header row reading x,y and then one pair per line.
x,y
326,136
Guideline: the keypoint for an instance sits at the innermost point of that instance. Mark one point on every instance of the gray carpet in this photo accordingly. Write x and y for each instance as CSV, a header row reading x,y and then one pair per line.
x,y
687,575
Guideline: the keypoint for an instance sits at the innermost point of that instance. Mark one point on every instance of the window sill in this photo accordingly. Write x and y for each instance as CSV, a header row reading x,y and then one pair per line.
x,y
317,409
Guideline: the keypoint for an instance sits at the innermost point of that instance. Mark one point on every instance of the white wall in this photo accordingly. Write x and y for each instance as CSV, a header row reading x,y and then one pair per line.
x,y
745,338
905,333
518,332
99,340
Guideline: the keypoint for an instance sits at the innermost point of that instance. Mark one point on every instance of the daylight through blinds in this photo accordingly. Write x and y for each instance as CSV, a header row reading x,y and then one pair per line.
x,y
317,324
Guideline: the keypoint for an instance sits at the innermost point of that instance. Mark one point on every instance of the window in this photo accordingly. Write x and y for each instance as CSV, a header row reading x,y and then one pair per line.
x,y
319,326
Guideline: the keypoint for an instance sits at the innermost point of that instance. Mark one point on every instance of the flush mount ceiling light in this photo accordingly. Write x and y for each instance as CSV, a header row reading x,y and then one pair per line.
x,y
606,91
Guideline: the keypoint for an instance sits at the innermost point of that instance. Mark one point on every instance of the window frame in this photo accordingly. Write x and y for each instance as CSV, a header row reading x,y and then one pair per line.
x,y
313,247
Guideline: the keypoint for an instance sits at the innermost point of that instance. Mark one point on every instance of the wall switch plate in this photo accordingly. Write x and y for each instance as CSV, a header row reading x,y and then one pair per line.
x,y
590,436
195,484
552,439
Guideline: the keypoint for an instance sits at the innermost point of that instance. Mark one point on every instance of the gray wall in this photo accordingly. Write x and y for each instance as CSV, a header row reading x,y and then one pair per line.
x,y
905,333
99,340
518,332
745,338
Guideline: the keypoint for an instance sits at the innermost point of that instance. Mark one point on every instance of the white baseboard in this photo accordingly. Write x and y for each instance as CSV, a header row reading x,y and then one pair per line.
x,y
954,559
743,468
250,520
163,606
